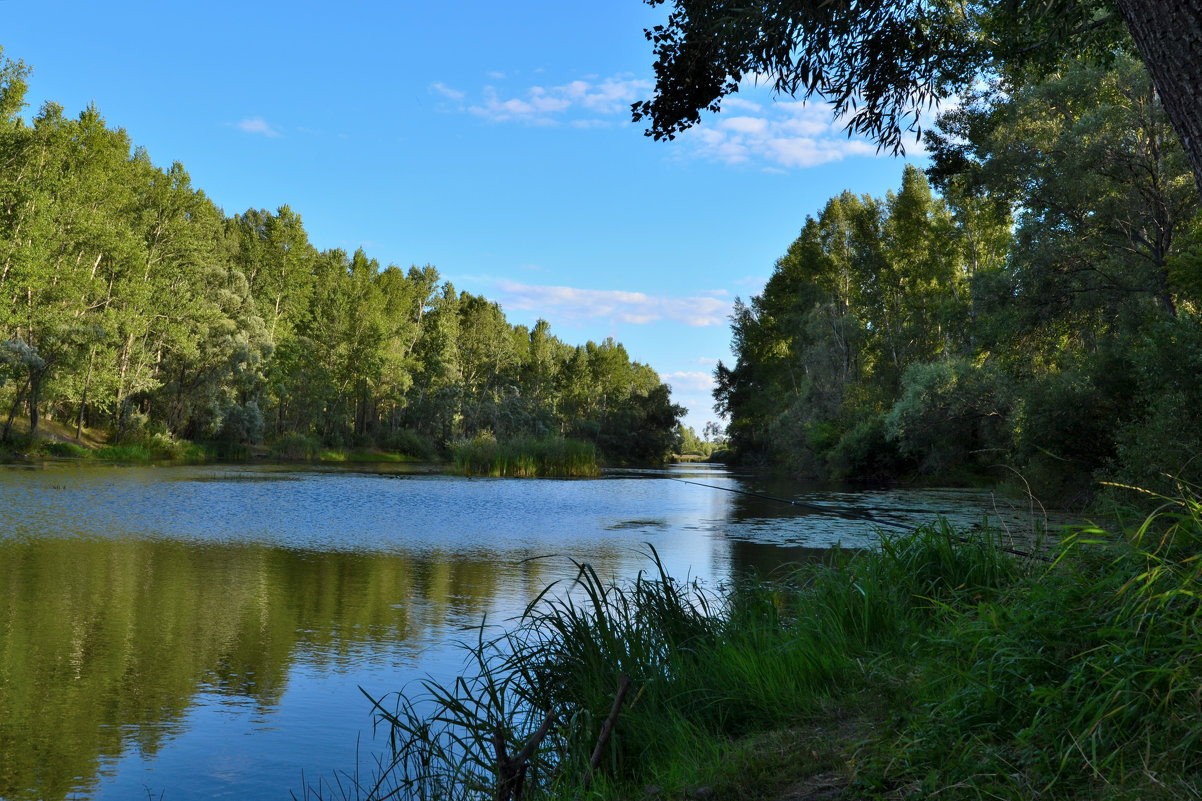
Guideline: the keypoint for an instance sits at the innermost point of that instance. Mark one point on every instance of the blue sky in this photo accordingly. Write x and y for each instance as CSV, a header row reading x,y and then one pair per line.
x,y
491,140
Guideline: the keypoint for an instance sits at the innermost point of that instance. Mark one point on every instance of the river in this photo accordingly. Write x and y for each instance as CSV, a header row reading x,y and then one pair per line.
x,y
203,632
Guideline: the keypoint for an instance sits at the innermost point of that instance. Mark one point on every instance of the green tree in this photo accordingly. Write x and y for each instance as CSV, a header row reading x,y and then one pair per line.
x,y
868,289
881,63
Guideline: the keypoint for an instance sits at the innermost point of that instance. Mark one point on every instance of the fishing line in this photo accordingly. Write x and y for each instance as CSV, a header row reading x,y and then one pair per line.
x,y
826,510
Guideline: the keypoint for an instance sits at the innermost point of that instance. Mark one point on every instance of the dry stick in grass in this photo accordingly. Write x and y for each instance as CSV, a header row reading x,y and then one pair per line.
x,y
607,729
511,772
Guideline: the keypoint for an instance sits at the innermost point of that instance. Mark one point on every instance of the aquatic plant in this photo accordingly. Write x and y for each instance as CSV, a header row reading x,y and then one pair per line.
x,y
526,457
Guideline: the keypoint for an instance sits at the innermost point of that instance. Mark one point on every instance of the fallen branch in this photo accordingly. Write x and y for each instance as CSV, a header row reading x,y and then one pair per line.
x,y
511,771
607,729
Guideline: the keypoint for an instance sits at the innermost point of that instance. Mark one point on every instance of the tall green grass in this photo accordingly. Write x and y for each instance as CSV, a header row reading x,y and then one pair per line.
x,y
155,448
706,666
526,457
68,450
1083,682
958,669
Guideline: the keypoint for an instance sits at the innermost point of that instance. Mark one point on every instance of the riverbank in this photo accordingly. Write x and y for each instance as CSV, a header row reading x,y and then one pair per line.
x,y
521,457
942,665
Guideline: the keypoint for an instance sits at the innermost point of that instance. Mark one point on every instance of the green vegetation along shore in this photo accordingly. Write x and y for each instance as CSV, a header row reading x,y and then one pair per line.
x,y
131,304
944,665
1038,313
520,457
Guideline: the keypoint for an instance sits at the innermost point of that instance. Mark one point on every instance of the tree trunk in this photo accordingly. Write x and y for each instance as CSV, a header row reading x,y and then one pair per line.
x,y
12,412
34,398
124,362
84,400
1168,34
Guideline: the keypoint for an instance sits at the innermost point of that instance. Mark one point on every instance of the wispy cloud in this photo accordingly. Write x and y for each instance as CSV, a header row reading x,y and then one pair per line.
x,y
755,129
682,381
584,103
574,306
258,125
754,283
440,88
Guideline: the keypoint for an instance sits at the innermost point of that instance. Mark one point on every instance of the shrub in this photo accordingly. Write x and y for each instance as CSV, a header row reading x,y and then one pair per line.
x,y
948,412
296,448
865,453
164,446
410,443
242,424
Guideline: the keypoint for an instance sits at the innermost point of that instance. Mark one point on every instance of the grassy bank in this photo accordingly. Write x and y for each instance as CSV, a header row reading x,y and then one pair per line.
x,y
57,441
941,666
526,457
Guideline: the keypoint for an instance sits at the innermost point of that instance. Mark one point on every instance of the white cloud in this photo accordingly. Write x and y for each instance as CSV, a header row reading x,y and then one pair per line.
x,y
776,135
751,126
257,125
754,129
739,104
755,282
578,102
438,87
682,381
574,306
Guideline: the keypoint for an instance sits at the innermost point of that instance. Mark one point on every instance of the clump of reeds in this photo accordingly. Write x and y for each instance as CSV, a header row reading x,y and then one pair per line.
x,y
527,457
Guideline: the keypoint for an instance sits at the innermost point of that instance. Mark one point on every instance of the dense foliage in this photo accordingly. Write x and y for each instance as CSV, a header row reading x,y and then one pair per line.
x,y
1042,314
129,301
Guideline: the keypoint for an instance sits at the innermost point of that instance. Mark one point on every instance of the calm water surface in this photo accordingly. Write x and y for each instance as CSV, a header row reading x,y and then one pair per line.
x,y
203,632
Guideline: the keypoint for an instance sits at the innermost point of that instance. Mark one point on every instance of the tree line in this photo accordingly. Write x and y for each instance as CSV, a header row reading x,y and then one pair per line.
x,y
130,302
1030,302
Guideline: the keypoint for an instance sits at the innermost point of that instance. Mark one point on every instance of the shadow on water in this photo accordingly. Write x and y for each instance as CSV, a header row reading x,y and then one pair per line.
x,y
757,560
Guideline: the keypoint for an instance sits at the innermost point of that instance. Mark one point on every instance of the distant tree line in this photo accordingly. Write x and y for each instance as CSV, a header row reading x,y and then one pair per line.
x,y
1039,314
130,302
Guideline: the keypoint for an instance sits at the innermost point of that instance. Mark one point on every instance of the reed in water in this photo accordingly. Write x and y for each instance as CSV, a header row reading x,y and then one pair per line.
x,y
527,457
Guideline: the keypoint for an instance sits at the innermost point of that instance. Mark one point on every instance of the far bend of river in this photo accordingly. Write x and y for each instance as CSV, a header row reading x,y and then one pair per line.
x,y
203,632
